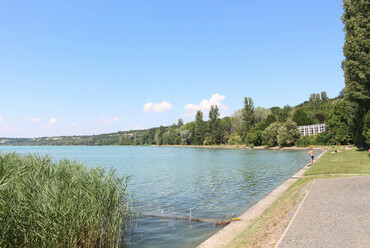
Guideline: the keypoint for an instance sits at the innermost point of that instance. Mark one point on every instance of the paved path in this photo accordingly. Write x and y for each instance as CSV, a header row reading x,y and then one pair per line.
x,y
335,213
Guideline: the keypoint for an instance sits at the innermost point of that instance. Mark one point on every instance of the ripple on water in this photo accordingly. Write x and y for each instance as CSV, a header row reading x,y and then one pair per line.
x,y
212,183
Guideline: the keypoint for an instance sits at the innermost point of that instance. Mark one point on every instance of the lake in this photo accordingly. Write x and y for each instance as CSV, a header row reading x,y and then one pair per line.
x,y
172,181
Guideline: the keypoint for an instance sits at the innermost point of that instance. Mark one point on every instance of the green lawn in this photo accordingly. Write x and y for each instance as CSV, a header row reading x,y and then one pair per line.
x,y
345,162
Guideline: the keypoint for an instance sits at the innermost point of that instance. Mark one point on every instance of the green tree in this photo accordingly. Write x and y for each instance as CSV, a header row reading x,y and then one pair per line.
x,y
236,122
180,122
214,123
260,114
254,138
367,127
247,115
312,98
269,135
339,120
235,139
225,127
300,117
281,114
269,120
185,137
324,96
199,130
288,134
356,64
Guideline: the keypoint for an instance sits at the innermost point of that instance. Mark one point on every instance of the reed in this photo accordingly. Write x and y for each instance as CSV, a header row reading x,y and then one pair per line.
x,y
61,204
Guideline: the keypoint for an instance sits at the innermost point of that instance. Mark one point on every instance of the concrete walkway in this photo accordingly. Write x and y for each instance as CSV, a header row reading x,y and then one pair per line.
x,y
335,213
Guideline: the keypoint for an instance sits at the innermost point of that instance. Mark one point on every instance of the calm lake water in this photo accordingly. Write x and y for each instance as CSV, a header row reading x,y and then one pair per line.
x,y
172,181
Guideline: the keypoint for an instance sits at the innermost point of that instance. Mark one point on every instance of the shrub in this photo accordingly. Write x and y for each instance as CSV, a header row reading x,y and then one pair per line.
x,y
288,133
235,140
324,139
64,204
269,136
254,138
305,141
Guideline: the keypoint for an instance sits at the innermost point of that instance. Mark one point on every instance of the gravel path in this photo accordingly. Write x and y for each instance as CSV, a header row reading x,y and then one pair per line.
x,y
335,213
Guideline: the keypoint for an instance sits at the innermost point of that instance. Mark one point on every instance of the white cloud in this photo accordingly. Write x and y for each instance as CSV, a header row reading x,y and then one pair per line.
x,y
52,121
32,120
137,127
157,107
6,128
1,119
73,124
104,120
205,106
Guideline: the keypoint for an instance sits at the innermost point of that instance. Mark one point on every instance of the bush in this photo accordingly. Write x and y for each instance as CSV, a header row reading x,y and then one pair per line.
x,y
269,136
235,140
305,141
288,134
47,204
324,139
254,138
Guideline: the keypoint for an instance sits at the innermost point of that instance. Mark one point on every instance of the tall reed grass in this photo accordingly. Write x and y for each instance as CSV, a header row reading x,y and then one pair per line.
x,y
63,204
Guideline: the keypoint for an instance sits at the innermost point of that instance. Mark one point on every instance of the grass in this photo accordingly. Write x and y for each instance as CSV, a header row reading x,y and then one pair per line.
x,y
64,204
346,162
268,228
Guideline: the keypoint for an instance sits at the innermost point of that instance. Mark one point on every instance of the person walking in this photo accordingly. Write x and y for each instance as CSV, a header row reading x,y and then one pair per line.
x,y
312,156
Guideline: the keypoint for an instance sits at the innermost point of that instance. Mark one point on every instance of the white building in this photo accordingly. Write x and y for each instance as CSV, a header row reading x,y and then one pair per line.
x,y
311,129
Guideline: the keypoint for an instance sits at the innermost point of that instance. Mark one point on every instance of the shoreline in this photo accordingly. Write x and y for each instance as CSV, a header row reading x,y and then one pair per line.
x,y
244,147
228,233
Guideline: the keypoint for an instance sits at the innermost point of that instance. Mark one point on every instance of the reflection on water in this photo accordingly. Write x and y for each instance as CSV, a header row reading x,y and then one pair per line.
x,y
212,183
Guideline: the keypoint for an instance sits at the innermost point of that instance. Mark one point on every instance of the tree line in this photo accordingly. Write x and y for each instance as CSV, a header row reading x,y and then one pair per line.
x,y
257,126
251,126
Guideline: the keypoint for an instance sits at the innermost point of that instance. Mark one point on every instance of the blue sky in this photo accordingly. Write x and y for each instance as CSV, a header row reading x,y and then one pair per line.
x,y
90,67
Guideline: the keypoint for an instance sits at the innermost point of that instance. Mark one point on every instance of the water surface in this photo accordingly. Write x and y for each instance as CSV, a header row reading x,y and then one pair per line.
x,y
172,181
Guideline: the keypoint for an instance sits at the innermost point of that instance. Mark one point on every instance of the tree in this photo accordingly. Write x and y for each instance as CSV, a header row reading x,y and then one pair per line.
x,y
224,133
342,93
254,138
281,114
185,137
301,118
356,64
214,123
312,98
367,127
235,139
269,120
236,122
269,135
288,134
260,114
324,97
339,120
247,115
180,122
199,131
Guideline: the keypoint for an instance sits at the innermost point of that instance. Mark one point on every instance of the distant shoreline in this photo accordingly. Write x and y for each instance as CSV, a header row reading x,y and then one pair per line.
x,y
242,147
